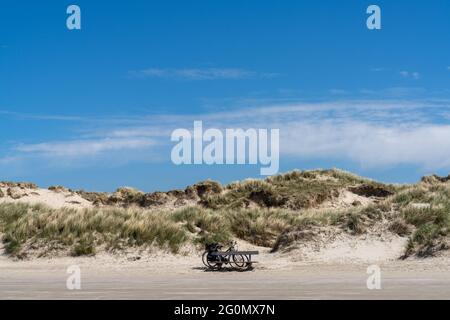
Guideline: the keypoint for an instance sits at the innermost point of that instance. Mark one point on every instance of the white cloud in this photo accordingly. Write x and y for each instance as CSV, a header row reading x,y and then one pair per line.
x,y
413,75
371,133
30,116
338,91
370,145
200,73
83,148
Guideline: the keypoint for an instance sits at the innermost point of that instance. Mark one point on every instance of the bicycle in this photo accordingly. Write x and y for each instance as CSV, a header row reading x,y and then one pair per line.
x,y
213,258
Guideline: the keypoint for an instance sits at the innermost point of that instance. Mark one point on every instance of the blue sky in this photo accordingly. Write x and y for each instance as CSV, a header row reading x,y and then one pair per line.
x,y
94,108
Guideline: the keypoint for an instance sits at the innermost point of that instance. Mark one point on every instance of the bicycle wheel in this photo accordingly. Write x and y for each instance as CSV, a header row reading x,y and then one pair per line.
x,y
205,258
212,262
239,261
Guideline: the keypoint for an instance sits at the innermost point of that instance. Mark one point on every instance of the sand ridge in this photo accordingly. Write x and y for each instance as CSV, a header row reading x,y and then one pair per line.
x,y
50,198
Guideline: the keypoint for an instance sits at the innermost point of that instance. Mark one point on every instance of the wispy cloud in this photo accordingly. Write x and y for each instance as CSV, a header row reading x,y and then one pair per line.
x,y
83,148
200,73
29,116
338,91
412,75
395,92
370,144
371,133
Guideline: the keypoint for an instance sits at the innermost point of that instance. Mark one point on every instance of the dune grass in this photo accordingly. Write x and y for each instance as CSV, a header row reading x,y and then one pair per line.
x,y
295,190
81,231
426,207
285,202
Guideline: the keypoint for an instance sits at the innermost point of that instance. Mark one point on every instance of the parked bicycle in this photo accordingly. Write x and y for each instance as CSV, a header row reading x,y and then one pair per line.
x,y
215,259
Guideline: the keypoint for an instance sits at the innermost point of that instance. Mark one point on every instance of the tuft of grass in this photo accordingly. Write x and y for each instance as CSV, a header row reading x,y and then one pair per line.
x,y
427,240
355,223
85,247
427,208
426,234
12,246
213,226
126,196
421,216
415,194
260,227
400,227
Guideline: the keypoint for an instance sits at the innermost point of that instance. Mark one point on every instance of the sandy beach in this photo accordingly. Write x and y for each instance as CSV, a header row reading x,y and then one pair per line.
x,y
303,261
162,276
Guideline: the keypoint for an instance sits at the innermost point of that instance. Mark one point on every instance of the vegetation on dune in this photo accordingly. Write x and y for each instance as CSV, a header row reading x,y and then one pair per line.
x,y
273,213
128,197
425,208
22,185
257,226
295,190
81,231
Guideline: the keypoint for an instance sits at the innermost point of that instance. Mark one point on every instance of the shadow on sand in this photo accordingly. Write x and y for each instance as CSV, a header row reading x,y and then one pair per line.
x,y
224,269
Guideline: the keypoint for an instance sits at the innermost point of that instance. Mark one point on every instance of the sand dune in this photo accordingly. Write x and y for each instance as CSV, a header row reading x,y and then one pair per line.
x,y
47,197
